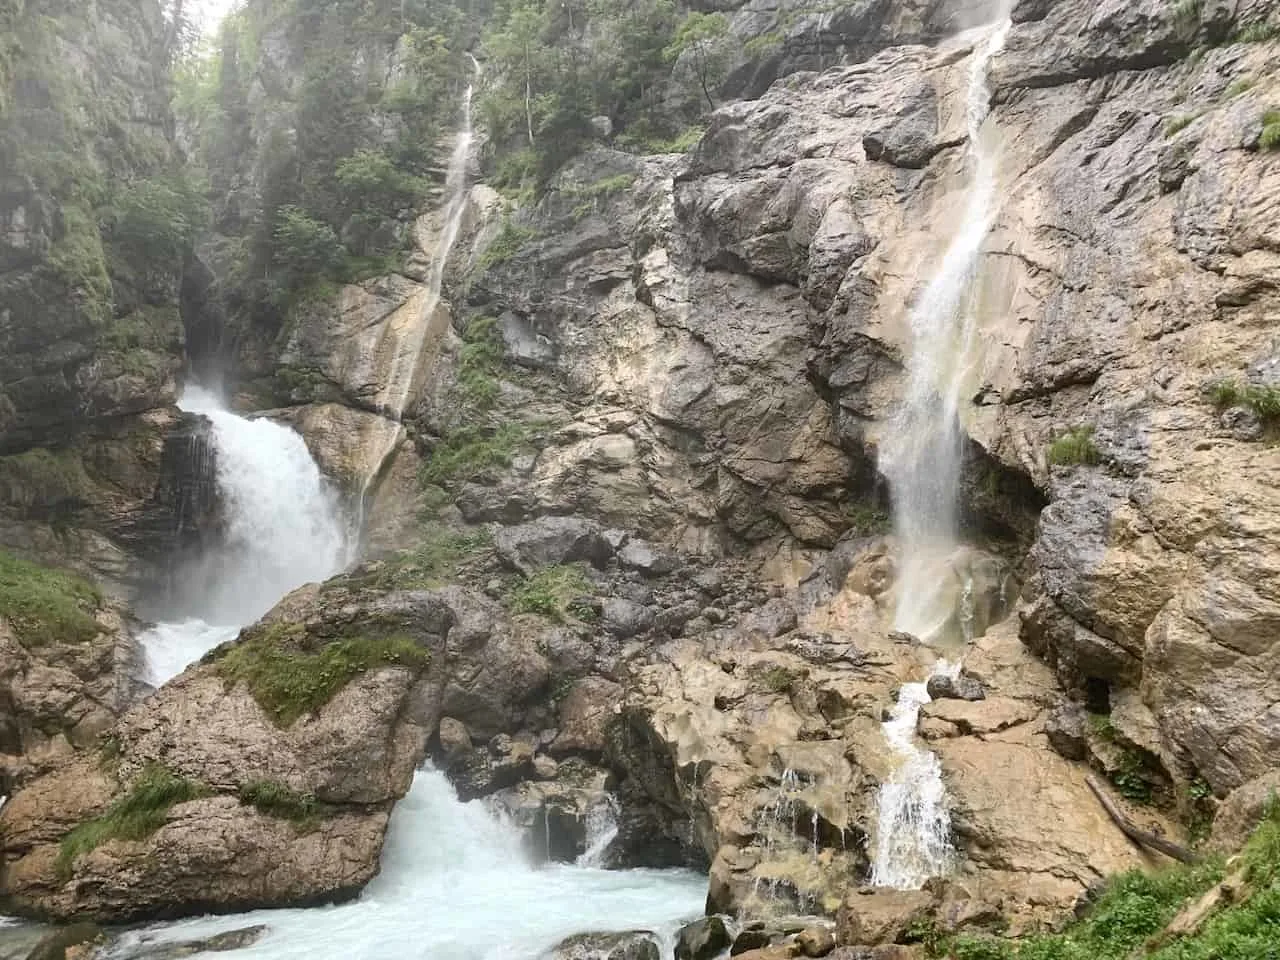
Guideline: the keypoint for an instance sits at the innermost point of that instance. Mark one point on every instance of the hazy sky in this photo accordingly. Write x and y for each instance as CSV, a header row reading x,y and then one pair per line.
x,y
209,12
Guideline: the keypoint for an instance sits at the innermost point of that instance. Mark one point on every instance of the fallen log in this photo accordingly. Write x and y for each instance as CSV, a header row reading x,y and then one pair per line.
x,y
1141,837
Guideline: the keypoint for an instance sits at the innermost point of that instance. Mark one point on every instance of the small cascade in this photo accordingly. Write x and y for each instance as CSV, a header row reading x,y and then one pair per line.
x,y
281,529
913,828
455,884
601,831
922,451
404,344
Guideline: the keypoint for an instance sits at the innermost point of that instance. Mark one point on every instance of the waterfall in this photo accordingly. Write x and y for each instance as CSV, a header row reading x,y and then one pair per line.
x,y
456,884
601,831
921,455
913,823
403,345
922,462
282,529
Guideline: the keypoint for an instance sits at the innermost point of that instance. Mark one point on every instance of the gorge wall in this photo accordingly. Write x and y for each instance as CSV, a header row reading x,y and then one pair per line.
x,y
635,530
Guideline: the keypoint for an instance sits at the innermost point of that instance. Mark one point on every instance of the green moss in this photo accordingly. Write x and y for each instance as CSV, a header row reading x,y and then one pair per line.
x,y
42,479
1176,125
289,676
775,679
1075,448
683,142
509,241
469,451
276,799
435,559
551,592
43,605
1243,85
1270,137
135,816
867,519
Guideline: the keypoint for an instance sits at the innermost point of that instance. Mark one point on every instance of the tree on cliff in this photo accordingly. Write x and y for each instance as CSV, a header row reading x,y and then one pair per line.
x,y
700,51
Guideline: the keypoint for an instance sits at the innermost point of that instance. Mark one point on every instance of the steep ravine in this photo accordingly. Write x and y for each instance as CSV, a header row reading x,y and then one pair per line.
x,y
635,538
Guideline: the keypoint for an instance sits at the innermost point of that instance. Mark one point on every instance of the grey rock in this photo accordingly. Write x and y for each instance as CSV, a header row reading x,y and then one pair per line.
x,y
1067,729
943,687
774,618
702,939
650,560
634,945
218,943
549,541
625,619
454,738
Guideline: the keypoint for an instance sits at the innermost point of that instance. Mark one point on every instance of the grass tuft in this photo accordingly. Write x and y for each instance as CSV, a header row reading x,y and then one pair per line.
x,y
1075,448
290,679
45,606
135,816
276,799
1264,401
1270,137
552,592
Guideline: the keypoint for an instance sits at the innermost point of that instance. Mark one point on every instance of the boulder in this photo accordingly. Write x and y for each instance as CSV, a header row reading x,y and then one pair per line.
x,y
585,712
625,619
648,559
870,917
702,940
1067,729
816,941
551,541
942,686
633,945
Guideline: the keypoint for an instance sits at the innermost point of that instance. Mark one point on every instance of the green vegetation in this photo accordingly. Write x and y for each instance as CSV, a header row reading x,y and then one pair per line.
x,y
467,452
1130,915
700,49
592,195
44,605
509,241
1187,14
775,678
1259,32
1075,448
550,592
1176,125
1130,773
43,481
1264,401
291,674
279,800
159,218
1270,138
435,558
867,519
1241,86
135,816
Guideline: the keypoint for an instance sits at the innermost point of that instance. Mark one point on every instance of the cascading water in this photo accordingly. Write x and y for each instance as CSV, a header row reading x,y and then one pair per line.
x,y
922,462
455,885
922,453
282,529
403,344
601,831
913,824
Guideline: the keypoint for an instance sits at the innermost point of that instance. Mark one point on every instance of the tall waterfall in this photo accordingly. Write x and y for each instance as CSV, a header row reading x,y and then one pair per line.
x,y
455,885
921,456
404,345
922,462
282,529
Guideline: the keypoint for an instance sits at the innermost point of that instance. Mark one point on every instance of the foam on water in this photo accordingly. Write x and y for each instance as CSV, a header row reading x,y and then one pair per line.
x,y
456,885
283,528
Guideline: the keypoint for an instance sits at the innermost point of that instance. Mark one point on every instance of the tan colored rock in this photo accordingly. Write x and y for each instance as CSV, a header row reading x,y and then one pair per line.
x,y
1242,811
870,917
585,712
981,716
816,941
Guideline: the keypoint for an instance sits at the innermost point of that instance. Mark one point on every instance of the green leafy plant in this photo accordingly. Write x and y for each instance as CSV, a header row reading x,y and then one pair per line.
x,y
1075,448
290,676
135,816
304,244
1270,137
45,606
867,519
465,453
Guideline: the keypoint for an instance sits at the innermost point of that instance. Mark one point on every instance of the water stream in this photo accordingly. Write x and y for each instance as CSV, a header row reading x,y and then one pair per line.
x,y
283,528
404,344
456,885
922,460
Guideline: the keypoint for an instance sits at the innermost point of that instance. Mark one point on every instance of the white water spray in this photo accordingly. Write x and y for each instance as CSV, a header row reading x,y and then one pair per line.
x,y
601,831
404,344
282,530
923,449
913,824
455,884
922,461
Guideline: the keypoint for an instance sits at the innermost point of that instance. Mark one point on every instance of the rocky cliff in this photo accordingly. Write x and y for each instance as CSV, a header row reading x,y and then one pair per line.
x,y
636,536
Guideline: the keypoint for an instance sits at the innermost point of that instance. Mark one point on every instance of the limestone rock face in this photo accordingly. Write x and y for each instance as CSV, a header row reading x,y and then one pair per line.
x,y
223,845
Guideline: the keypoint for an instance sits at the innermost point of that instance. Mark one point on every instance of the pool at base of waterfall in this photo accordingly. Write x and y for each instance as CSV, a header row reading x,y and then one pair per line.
x,y
455,884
